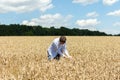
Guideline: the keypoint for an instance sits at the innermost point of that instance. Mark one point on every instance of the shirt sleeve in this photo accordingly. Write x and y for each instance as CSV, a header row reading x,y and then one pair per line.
x,y
65,51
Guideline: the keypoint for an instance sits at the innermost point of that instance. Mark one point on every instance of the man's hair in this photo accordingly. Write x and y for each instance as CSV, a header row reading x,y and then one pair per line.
x,y
62,39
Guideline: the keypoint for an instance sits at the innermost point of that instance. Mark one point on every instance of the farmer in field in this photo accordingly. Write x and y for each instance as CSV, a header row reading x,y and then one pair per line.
x,y
58,49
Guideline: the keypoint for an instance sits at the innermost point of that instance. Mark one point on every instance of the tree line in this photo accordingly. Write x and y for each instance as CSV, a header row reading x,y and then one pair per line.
x,y
24,30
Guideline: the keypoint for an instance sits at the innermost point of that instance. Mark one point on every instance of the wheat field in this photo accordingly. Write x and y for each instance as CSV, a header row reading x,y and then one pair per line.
x,y
94,58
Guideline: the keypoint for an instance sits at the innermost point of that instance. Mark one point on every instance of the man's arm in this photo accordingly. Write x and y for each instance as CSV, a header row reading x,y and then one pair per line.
x,y
65,51
59,51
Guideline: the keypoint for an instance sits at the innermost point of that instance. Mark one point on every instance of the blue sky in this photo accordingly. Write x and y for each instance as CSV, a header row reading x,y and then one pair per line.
x,y
102,15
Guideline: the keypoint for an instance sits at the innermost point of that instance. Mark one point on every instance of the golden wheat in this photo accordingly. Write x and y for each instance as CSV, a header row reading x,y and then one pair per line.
x,y
94,58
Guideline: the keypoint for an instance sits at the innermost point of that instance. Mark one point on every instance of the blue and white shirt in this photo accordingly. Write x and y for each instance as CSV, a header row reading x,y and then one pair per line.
x,y
57,48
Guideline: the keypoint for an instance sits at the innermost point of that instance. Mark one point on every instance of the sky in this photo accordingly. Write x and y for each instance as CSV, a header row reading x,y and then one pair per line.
x,y
101,15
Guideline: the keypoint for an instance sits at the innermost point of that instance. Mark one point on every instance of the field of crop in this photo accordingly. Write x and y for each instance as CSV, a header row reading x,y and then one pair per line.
x,y
94,58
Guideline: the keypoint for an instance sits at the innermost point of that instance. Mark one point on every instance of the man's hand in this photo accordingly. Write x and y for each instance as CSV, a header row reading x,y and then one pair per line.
x,y
69,57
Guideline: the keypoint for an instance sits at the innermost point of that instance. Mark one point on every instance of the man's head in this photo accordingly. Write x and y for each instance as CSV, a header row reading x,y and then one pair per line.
x,y
62,39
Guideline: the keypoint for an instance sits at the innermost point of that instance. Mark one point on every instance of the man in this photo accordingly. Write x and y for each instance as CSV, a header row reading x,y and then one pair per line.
x,y
58,49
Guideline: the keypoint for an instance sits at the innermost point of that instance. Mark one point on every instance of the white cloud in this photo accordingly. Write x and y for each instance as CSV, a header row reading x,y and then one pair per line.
x,y
88,23
49,20
114,13
92,14
117,24
85,2
109,2
24,5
